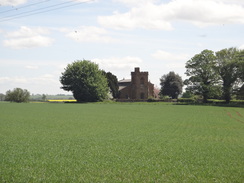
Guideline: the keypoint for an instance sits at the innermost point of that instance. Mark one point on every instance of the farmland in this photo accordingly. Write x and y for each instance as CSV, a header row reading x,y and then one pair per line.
x,y
120,142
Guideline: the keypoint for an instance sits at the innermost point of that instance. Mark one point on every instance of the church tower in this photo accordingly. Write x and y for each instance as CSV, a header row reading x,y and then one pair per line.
x,y
139,84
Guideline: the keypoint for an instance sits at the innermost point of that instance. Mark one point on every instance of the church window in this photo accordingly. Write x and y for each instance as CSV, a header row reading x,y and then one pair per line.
x,y
142,81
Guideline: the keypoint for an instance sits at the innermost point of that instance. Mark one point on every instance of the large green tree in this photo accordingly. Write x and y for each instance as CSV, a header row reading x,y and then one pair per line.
x,y
201,74
171,85
227,67
241,65
17,95
112,83
85,80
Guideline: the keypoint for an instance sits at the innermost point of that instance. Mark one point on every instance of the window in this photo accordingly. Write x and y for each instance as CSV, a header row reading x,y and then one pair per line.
x,y
142,81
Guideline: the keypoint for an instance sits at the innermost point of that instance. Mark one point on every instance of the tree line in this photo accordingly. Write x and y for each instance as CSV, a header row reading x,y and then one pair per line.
x,y
210,74
216,74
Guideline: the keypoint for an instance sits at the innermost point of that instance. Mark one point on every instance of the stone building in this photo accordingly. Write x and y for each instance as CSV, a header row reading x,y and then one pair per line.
x,y
136,88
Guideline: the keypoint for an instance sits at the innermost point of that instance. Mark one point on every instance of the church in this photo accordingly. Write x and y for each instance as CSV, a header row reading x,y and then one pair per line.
x,y
136,88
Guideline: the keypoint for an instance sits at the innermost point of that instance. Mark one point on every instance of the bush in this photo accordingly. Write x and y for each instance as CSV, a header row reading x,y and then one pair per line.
x,y
188,100
237,102
151,99
18,95
215,101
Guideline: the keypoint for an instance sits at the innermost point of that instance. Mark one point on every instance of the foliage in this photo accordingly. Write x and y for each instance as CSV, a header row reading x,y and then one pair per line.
x,y
226,66
152,99
148,142
201,74
241,64
44,97
215,92
165,97
240,93
85,80
2,97
112,83
187,94
171,85
17,95
187,100
40,97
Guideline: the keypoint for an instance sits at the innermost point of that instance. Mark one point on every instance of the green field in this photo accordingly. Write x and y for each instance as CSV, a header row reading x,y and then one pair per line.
x,y
137,142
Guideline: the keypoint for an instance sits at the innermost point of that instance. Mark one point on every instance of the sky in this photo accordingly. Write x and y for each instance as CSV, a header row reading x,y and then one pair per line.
x,y
39,38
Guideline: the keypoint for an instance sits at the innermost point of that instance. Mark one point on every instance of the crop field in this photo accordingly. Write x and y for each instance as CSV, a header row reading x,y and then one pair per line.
x,y
120,142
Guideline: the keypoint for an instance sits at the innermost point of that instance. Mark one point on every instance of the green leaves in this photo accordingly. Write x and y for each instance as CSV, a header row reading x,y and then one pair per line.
x,y
208,70
201,72
227,67
18,95
171,85
85,80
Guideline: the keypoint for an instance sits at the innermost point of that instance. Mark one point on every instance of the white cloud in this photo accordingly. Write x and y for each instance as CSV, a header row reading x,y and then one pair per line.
x,y
167,56
207,12
43,79
171,60
135,2
12,2
88,34
31,67
240,2
241,47
145,17
32,84
13,80
86,1
27,37
161,16
118,63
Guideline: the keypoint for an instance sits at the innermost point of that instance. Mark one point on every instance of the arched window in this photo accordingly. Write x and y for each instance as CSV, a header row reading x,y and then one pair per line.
x,y
142,95
142,81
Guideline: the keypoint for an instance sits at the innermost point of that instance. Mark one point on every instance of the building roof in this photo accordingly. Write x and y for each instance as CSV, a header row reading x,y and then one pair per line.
x,y
125,81
122,87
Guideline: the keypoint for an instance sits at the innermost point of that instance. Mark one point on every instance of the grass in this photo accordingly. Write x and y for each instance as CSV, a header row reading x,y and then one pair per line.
x,y
125,142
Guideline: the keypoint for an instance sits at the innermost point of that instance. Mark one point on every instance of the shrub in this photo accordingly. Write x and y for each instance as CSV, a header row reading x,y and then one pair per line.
x,y
151,99
18,95
188,100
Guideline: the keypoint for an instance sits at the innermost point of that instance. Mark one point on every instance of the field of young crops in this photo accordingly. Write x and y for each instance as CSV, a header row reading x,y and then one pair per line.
x,y
120,142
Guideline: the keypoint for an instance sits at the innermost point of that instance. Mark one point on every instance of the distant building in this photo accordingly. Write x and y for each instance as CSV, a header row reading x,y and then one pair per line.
x,y
136,88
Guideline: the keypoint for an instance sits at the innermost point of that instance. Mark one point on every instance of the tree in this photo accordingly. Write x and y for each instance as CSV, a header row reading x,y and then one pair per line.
x,y
44,97
112,83
201,74
240,93
227,63
17,95
241,65
2,97
187,94
171,85
85,80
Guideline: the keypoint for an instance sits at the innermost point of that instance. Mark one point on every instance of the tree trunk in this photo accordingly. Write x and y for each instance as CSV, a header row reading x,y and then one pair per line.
x,y
227,94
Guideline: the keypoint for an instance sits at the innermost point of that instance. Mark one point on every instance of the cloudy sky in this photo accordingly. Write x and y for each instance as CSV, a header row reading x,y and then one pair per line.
x,y
38,38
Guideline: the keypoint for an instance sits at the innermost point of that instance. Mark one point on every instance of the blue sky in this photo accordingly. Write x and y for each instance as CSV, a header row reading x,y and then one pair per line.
x,y
158,36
